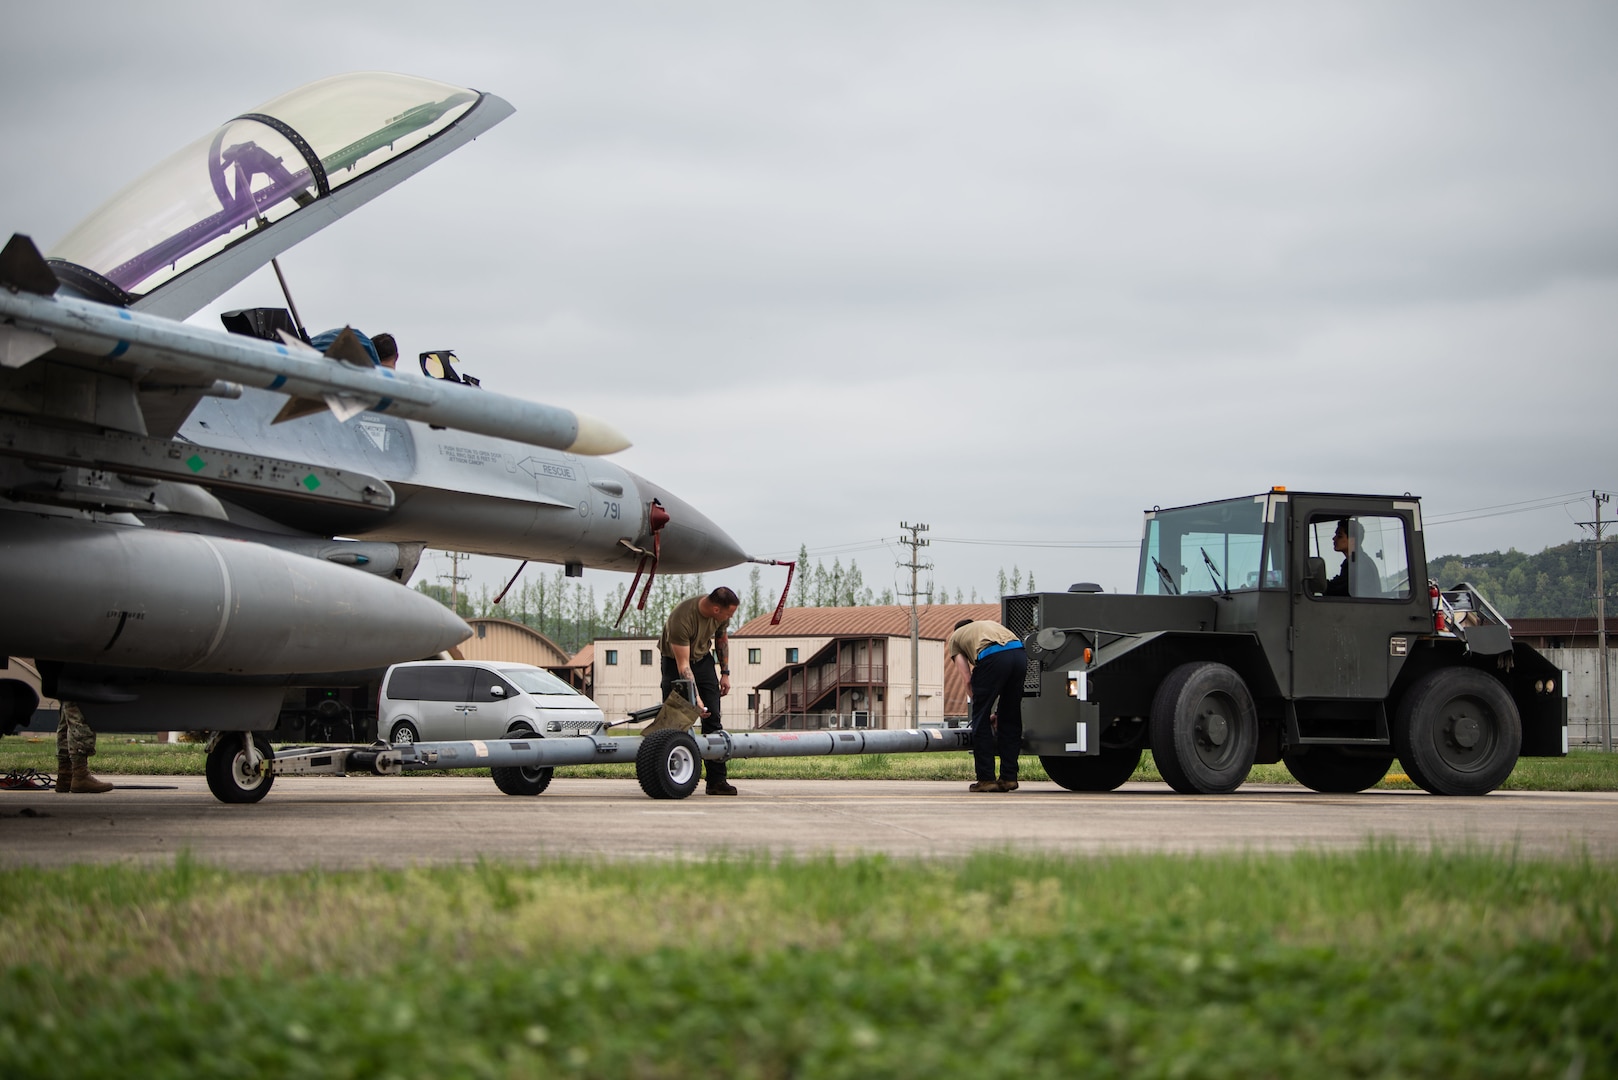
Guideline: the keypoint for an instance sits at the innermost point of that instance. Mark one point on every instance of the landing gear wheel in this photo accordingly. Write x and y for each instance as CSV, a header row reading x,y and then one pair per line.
x,y
403,734
1336,771
520,780
1458,732
230,777
1204,729
668,764
1103,773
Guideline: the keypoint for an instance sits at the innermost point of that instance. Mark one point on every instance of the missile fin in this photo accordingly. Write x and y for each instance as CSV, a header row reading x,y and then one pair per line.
x,y
295,343
346,408
23,268
296,407
348,349
19,346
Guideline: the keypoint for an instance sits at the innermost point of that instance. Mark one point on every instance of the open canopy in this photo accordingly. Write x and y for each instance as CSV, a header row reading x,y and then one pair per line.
x,y
300,150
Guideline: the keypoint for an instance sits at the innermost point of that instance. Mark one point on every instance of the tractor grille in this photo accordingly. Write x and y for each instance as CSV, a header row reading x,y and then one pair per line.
x,y
1021,614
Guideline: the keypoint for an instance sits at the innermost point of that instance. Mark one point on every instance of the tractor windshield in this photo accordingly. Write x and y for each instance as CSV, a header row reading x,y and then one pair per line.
x,y
1219,547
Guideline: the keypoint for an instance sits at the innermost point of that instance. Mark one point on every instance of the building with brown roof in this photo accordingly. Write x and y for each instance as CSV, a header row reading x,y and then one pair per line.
x,y
820,667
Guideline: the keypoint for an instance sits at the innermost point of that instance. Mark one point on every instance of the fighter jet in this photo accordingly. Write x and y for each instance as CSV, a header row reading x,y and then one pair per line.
x,y
195,519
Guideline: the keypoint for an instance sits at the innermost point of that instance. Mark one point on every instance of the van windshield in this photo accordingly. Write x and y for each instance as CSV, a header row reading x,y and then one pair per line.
x,y
535,681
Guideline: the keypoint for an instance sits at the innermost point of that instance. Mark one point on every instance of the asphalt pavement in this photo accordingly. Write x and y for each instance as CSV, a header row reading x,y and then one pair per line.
x,y
338,822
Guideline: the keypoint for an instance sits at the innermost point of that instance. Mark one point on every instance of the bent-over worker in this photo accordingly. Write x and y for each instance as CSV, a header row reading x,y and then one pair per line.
x,y
695,634
991,659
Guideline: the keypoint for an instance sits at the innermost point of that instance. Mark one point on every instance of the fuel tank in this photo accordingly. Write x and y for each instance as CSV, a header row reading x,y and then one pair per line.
x,y
186,602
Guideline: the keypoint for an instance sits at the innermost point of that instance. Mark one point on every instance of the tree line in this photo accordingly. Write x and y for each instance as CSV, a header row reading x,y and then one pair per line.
x,y
1559,582
567,611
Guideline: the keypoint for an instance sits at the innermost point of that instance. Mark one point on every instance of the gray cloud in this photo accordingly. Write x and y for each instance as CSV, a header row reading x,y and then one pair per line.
x,y
1151,254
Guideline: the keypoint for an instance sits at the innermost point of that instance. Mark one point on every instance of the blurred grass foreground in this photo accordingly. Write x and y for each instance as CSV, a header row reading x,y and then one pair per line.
x,y
1380,962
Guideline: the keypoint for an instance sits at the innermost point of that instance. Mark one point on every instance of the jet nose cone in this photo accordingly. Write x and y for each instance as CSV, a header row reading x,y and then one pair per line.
x,y
692,544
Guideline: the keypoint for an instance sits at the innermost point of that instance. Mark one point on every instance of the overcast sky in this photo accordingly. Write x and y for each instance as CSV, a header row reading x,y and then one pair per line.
x,y
1017,270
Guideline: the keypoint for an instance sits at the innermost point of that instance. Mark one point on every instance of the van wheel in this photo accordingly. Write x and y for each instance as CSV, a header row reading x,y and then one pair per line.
x,y
1458,732
668,764
521,780
229,776
1204,729
1333,770
403,734
1101,773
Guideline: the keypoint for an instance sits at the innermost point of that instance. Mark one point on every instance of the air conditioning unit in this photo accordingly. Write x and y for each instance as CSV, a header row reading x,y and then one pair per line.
x,y
862,718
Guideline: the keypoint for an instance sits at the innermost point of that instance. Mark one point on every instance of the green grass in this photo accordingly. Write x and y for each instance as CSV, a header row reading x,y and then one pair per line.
x,y
1381,962
125,755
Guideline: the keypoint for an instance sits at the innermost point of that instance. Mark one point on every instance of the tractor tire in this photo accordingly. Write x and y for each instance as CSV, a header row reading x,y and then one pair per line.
x,y
1204,729
1104,772
1458,732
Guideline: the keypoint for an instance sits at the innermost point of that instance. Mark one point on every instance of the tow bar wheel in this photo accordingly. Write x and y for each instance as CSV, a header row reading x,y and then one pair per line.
x,y
234,776
668,764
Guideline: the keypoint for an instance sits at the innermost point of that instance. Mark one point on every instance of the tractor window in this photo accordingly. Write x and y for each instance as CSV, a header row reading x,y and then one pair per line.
x,y
1361,556
1212,548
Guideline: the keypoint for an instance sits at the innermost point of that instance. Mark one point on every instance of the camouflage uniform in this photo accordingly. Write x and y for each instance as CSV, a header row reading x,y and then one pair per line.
x,y
74,738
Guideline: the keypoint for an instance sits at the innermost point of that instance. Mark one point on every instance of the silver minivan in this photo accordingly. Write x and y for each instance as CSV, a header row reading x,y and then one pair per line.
x,y
450,700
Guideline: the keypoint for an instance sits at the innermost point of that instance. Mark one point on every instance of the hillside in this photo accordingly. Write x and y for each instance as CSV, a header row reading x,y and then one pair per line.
x,y
1558,582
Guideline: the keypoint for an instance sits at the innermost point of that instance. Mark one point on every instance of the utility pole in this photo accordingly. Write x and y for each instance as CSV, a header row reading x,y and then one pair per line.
x,y
455,577
1603,691
915,543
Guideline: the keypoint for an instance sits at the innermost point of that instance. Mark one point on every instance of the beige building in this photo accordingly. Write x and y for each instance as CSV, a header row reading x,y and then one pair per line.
x,y
821,667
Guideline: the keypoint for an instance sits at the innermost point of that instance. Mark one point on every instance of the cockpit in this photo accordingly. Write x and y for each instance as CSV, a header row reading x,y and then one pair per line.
x,y
256,169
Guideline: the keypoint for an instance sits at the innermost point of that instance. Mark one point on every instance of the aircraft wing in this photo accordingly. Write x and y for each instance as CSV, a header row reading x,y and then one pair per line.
x,y
35,323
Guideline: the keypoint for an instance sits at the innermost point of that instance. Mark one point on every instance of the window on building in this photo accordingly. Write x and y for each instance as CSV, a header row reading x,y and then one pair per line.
x,y
792,656
612,657
646,658
755,656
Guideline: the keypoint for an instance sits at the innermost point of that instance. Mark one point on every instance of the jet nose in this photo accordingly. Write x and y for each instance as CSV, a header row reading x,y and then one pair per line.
x,y
692,544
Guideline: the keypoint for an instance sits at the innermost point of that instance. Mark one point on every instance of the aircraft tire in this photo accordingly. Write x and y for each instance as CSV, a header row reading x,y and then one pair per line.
x,y
1204,729
1105,772
1457,732
226,769
668,764
1335,771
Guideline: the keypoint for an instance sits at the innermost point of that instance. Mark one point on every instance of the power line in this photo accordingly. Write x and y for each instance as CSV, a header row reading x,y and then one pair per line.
x,y
1545,502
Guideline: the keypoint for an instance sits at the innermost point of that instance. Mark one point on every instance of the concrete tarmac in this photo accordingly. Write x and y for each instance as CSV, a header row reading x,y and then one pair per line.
x,y
334,823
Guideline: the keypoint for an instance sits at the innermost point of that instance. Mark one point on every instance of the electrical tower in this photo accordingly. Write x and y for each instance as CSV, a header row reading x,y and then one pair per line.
x,y
915,543
1603,691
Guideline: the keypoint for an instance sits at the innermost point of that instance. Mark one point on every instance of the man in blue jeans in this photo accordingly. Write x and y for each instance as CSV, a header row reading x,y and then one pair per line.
x,y
991,659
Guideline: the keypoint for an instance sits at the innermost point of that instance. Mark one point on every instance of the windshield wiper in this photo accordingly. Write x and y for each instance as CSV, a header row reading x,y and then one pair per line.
x,y
1168,579
1214,570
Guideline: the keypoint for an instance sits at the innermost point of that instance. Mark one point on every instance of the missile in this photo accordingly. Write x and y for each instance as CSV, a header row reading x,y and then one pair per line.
x,y
100,330
127,596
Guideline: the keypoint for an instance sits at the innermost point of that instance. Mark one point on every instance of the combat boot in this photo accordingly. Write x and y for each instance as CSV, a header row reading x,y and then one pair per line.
x,y
64,774
83,782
